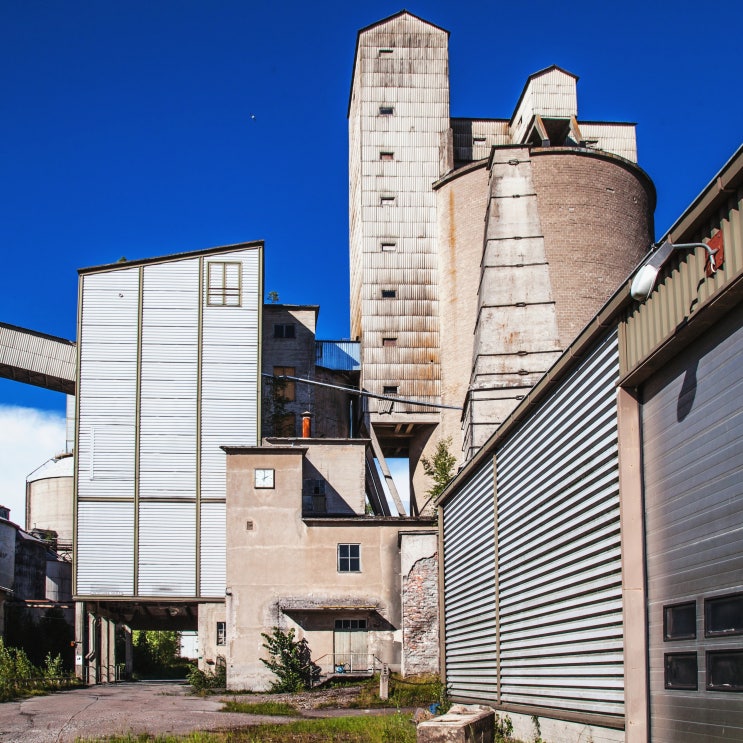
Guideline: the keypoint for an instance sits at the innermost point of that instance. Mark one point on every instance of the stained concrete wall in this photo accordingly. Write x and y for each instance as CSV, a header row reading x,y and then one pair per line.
x,y
209,652
282,570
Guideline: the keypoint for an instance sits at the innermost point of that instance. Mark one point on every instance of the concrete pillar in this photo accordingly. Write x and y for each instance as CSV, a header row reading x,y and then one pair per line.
x,y
108,651
92,656
128,652
105,651
81,645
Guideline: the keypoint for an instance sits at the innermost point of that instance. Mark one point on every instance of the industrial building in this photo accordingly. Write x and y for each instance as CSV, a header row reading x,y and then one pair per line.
x,y
226,460
592,567
465,234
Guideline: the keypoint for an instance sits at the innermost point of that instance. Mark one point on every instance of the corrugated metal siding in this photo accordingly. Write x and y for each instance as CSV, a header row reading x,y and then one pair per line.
x,y
469,589
619,139
168,384
692,428
167,549
229,379
559,565
164,389
107,385
213,540
339,355
105,549
682,287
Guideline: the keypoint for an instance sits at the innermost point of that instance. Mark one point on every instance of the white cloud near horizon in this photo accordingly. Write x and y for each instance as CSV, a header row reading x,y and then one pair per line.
x,y
28,438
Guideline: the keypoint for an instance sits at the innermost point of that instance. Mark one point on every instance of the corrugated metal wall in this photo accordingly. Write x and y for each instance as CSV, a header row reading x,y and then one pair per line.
x,y
469,590
166,378
559,562
559,611
692,426
682,288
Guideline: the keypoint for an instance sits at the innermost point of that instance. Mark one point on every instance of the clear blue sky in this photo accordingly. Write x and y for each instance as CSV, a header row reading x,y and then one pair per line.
x,y
127,128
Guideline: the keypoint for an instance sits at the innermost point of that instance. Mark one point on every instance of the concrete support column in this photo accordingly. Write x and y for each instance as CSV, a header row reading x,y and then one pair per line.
x,y
128,651
108,651
81,645
633,569
92,656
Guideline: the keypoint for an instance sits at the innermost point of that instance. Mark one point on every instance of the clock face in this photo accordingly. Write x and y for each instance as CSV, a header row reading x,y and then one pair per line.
x,y
264,478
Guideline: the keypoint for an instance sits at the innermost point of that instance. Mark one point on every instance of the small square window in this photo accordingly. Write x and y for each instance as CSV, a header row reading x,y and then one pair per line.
x,y
389,342
389,389
387,156
223,284
680,621
725,670
221,633
349,558
723,615
680,670
388,293
386,111
387,246
284,330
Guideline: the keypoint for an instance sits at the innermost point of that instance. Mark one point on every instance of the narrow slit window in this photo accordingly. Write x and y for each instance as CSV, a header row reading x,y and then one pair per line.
x,y
386,156
388,342
221,633
385,52
387,200
389,389
388,293
223,284
388,246
386,111
479,140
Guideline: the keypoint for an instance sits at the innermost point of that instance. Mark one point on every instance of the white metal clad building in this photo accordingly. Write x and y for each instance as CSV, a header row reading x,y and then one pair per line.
x,y
168,372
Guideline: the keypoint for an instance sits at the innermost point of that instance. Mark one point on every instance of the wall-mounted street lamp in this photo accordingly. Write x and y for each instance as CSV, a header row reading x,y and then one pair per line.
x,y
644,281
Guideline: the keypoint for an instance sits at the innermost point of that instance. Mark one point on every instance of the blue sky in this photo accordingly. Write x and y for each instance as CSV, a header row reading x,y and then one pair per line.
x,y
145,127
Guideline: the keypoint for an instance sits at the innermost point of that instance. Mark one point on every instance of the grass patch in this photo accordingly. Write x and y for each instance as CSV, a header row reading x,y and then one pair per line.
x,y
260,708
394,728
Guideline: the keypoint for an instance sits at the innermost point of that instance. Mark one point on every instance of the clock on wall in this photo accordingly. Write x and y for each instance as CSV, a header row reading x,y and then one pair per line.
x,y
264,478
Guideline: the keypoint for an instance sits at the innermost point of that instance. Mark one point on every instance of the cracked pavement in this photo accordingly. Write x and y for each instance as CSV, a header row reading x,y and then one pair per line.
x,y
156,707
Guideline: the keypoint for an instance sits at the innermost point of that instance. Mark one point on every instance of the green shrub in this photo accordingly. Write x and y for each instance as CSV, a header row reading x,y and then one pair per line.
x,y
202,682
290,660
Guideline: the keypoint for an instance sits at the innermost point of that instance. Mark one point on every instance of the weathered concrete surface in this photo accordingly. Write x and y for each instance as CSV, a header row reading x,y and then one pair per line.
x,y
155,707
463,723
110,709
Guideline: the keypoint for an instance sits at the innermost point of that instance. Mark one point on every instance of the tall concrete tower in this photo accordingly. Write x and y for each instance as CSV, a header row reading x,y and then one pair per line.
x,y
398,128
480,247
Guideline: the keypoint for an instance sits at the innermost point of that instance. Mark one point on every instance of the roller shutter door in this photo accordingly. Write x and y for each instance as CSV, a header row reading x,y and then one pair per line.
x,y
692,427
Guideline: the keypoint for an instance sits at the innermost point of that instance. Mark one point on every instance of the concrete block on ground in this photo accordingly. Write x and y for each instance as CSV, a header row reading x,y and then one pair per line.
x,y
463,723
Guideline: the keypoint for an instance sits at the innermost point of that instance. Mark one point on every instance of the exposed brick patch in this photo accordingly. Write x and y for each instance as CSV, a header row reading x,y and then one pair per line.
x,y
421,618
